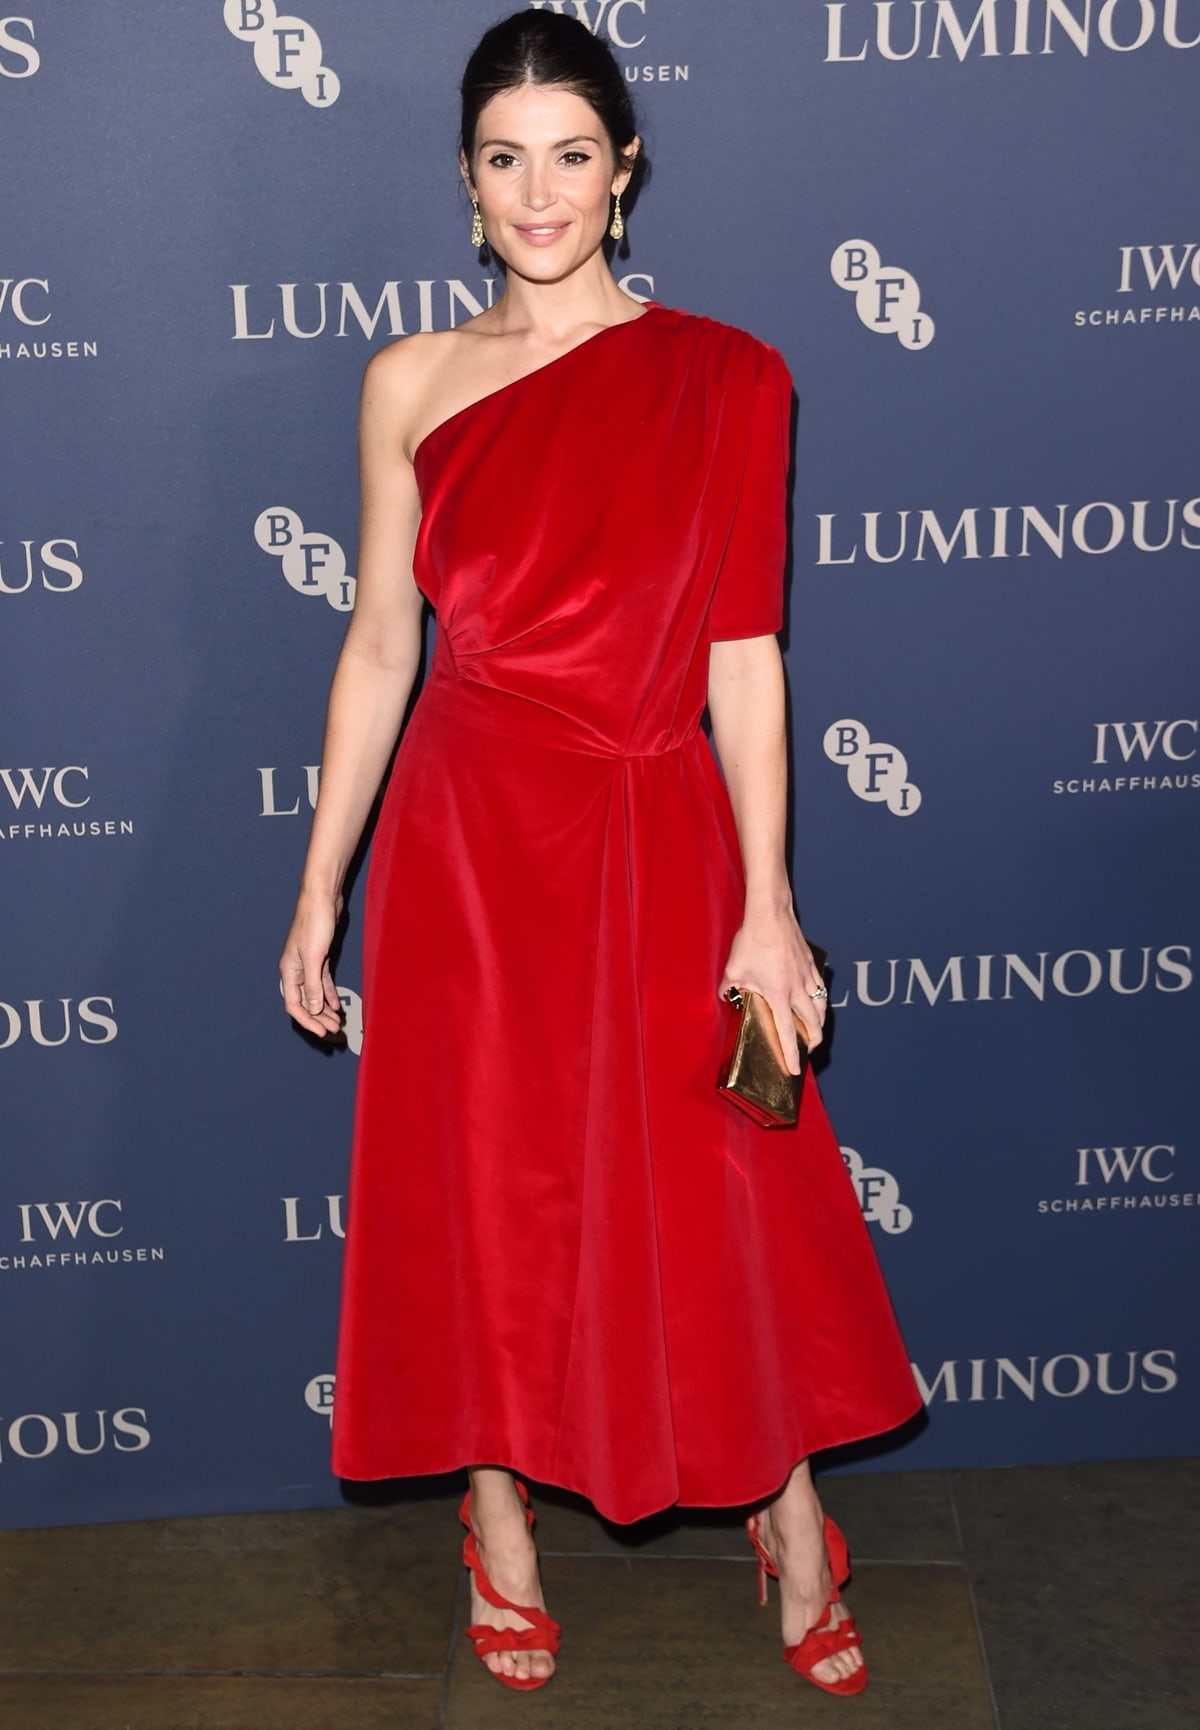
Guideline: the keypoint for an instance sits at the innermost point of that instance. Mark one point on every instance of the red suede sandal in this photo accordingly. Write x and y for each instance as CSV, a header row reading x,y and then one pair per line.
x,y
823,1640
544,1632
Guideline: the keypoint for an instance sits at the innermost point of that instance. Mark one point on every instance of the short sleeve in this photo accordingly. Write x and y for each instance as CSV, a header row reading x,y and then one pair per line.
x,y
748,601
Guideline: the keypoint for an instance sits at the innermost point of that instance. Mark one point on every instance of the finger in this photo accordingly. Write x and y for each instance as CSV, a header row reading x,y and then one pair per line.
x,y
812,1017
318,1006
789,1040
308,1008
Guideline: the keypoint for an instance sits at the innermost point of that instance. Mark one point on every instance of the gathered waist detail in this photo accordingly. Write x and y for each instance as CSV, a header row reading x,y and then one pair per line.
x,y
452,699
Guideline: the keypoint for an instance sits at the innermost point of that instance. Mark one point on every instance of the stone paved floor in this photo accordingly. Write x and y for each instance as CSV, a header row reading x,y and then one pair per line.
x,y
1042,1598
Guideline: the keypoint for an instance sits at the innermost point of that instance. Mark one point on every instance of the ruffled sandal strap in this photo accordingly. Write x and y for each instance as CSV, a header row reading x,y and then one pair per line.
x,y
820,1643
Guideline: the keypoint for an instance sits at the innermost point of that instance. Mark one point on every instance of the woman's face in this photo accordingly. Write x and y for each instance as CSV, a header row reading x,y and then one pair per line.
x,y
544,173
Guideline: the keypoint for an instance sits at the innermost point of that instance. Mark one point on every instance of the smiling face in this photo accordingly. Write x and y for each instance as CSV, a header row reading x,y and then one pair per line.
x,y
544,172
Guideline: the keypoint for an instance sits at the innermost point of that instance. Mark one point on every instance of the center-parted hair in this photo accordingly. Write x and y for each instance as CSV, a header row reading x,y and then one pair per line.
x,y
548,48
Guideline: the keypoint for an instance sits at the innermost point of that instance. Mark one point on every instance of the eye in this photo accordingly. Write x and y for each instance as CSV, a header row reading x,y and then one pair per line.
x,y
502,159
575,158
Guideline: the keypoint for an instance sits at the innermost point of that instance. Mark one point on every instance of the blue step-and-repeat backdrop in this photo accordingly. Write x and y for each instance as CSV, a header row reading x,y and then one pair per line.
x,y
971,228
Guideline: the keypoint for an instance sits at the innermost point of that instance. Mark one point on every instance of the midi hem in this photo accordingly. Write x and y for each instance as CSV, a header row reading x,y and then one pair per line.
x,y
766,1483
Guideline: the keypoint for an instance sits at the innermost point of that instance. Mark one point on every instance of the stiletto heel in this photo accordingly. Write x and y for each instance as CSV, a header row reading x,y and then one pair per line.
x,y
543,1633
822,1640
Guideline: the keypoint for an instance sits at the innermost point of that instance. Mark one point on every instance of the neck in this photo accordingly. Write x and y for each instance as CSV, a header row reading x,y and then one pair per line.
x,y
554,311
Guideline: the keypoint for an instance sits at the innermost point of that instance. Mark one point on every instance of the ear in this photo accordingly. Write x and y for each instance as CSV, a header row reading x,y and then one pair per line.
x,y
623,176
464,168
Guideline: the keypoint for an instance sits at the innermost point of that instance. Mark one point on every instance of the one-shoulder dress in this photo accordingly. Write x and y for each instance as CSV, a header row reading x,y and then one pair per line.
x,y
566,1253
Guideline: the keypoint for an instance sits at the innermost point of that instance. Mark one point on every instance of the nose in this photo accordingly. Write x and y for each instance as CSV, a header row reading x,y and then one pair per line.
x,y
537,189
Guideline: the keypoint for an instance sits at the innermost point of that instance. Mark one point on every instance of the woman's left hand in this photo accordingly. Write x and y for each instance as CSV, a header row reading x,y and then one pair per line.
x,y
771,956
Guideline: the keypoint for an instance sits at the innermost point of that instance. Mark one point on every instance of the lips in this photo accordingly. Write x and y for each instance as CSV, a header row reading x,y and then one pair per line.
x,y
541,233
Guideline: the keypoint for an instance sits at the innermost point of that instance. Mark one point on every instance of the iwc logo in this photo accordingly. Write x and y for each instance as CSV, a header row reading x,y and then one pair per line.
x,y
50,805
624,23
1136,1178
887,300
1139,757
314,564
876,772
1172,271
287,51
25,309
60,1234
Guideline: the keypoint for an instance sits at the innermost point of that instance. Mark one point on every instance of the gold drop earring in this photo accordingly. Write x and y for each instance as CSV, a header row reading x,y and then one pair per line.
x,y
616,227
478,238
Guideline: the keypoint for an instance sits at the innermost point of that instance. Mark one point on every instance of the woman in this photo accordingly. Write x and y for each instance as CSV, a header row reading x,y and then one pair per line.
x,y
567,1254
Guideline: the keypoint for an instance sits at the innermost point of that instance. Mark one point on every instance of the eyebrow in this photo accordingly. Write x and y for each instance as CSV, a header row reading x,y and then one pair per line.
x,y
508,144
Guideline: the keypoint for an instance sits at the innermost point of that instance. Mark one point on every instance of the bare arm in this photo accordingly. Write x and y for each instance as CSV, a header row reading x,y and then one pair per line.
x,y
769,953
371,688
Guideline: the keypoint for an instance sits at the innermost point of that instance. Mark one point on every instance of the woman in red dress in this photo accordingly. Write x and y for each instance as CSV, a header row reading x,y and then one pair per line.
x,y
566,1254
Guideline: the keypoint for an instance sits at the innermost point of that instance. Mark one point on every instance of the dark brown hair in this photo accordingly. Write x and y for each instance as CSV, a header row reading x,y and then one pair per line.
x,y
549,48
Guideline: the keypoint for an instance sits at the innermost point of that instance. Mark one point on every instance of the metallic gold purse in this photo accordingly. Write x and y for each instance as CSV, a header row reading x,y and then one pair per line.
x,y
754,1076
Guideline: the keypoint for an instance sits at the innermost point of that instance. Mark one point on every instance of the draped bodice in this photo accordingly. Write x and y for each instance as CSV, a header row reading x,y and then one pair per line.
x,y
588,529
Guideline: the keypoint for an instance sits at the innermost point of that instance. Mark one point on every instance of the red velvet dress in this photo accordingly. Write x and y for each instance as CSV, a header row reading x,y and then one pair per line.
x,y
565,1252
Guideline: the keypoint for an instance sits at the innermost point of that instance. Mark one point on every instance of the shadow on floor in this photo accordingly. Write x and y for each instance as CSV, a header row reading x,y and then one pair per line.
x,y
1041,1598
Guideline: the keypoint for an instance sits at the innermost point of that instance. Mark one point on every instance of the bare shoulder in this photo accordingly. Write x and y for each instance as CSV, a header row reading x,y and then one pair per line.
x,y
399,372
405,383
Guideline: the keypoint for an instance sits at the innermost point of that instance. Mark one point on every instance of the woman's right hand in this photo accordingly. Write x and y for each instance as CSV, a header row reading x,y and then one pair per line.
x,y
309,994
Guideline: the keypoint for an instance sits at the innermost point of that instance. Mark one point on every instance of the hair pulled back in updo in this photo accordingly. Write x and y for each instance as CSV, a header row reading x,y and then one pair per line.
x,y
549,48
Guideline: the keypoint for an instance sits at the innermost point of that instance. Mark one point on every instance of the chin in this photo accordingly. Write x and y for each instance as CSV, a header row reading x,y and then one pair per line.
x,y
549,266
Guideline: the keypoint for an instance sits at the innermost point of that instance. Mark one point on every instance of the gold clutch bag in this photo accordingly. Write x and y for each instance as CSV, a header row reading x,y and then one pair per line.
x,y
754,1076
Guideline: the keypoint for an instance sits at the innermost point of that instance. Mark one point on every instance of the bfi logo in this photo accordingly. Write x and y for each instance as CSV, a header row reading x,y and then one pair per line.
x,y
887,300
1144,738
876,772
878,1194
287,51
318,1396
313,564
